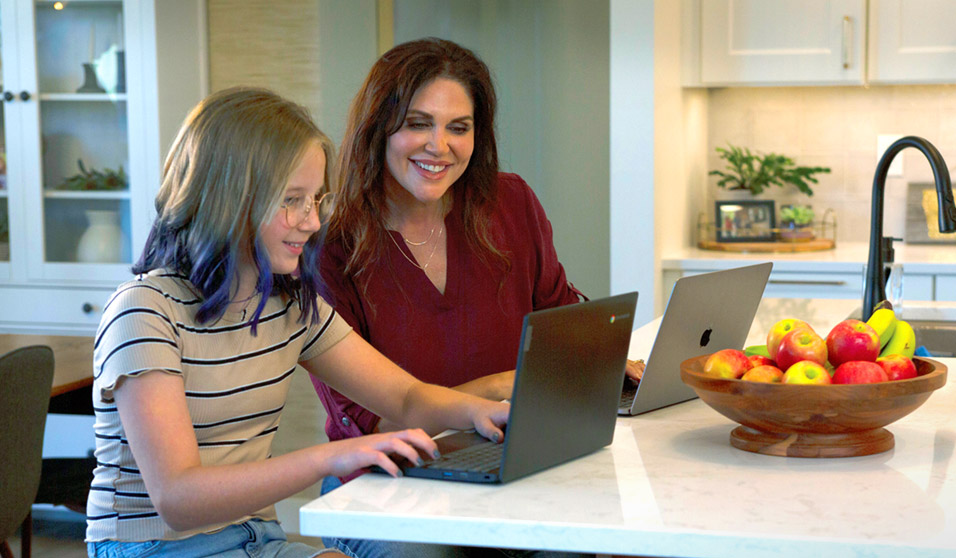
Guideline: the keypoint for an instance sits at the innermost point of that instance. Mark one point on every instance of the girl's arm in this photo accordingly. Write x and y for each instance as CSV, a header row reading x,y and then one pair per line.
x,y
361,373
188,495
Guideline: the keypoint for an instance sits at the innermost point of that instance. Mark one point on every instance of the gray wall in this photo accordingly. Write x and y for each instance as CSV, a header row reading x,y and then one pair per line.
x,y
551,64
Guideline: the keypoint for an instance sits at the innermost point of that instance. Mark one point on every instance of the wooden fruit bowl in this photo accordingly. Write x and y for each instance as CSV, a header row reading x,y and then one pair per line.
x,y
811,420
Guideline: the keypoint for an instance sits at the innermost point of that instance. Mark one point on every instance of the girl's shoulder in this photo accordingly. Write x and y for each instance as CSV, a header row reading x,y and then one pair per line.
x,y
151,289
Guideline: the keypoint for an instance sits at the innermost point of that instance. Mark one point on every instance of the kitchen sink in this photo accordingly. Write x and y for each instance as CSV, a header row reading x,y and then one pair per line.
x,y
938,337
934,324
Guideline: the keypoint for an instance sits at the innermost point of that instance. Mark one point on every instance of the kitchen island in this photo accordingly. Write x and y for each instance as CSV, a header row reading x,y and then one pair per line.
x,y
671,485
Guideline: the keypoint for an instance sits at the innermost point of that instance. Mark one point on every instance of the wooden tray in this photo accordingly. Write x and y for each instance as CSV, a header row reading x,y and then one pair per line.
x,y
814,245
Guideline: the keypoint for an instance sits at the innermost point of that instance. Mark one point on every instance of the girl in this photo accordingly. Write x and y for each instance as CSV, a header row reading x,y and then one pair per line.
x,y
193,358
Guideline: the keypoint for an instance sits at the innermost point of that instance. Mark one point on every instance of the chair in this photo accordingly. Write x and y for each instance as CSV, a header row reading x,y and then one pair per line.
x,y
26,378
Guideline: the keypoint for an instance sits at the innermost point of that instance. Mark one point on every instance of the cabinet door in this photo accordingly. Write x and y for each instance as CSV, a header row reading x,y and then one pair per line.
x,y
782,42
78,208
946,288
8,70
912,41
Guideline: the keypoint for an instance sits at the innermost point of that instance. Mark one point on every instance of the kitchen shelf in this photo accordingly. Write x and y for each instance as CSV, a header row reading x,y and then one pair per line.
x,y
819,235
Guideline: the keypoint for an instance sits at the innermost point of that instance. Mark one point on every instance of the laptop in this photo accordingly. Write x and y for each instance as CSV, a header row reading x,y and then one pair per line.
x,y
567,383
706,313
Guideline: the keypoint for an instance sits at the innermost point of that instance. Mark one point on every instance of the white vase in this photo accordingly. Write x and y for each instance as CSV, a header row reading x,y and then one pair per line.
x,y
102,241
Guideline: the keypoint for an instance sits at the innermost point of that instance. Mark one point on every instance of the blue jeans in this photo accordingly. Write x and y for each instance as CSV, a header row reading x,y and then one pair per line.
x,y
358,548
253,539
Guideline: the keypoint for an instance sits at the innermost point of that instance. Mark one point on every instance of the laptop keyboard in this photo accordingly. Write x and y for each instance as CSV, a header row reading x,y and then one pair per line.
x,y
484,457
627,395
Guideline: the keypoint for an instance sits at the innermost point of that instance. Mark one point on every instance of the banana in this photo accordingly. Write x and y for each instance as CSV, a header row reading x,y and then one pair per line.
x,y
757,350
883,321
903,341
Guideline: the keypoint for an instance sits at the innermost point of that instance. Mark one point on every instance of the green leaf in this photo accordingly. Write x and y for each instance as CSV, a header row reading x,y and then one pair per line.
x,y
747,170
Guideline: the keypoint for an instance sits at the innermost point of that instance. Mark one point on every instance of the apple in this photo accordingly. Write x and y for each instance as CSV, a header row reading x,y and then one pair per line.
x,y
897,366
859,372
852,340
760,360
727,363
806,372
764,373
801,344
780,329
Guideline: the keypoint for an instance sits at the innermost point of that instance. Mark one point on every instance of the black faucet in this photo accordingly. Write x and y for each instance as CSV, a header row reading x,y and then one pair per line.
x,y
881,248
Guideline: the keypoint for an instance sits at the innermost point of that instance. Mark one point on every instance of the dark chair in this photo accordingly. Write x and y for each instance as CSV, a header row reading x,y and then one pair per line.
x,y
26,378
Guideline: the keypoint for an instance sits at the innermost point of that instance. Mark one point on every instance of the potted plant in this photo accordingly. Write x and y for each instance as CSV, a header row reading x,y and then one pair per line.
x,y
107,179
755,172
796,222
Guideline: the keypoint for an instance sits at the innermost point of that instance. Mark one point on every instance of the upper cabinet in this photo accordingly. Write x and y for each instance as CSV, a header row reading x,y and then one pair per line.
x,y
818,42
92,91
912,41
781,41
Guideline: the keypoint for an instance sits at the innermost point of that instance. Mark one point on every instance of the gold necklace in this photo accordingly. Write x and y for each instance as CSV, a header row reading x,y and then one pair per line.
x,y
422,243
413,262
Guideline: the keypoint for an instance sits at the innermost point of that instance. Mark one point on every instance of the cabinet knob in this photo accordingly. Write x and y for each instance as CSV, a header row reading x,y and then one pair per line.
x,y
7,96
88,308
24,96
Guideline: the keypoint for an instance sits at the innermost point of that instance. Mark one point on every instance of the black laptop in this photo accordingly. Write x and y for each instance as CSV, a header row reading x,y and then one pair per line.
x,y
564,404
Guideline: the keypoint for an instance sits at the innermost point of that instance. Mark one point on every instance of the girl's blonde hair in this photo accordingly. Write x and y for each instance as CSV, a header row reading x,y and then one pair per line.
x,y
224,177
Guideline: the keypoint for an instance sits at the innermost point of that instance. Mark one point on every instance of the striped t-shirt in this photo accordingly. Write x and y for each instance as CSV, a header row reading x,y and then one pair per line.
x,y
236,386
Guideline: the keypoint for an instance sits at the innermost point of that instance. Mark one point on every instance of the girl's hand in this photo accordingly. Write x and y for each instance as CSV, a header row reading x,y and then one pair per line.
x,y
488,418
634,369
373,449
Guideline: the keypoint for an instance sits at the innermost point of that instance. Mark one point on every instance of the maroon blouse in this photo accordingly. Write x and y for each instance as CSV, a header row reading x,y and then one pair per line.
x,y
471,330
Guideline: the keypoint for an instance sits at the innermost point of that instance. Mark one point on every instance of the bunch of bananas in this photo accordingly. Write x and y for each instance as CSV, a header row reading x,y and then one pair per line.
x,y
896,335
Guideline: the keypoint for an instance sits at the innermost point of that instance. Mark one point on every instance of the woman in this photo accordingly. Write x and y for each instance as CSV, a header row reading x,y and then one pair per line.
x,y
194,357
432,254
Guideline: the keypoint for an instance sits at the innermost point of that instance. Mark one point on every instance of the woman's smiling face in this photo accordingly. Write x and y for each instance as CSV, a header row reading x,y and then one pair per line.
x,y
431,150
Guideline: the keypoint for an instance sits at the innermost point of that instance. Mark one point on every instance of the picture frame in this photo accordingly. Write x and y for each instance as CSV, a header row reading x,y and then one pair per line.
x,y
745,221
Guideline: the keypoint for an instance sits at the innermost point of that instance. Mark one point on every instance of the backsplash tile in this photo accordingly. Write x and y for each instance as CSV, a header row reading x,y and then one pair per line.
x,y
836,127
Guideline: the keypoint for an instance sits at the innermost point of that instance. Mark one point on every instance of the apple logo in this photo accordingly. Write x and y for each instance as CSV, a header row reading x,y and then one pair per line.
x,y
705,338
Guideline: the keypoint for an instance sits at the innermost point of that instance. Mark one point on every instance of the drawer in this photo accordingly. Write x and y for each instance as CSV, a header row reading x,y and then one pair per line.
x,y
52,310
945,288
814,285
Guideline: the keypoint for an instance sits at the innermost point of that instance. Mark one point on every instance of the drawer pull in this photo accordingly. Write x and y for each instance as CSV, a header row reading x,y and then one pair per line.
x,y
806,282
89,308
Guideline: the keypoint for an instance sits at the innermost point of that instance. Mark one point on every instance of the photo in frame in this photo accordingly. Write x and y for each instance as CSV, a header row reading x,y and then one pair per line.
x,y
745,221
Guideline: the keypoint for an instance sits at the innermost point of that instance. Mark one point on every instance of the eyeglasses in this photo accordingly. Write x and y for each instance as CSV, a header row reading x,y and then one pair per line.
x,y
298,208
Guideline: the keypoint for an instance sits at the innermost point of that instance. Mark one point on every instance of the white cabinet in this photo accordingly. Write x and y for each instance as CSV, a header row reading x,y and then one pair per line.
x,y
946,288
793,42
819,42
93,91
912,41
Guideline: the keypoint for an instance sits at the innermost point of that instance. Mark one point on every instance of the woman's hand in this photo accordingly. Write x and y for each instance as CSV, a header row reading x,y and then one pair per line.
x,y
352,454
634,369
488,417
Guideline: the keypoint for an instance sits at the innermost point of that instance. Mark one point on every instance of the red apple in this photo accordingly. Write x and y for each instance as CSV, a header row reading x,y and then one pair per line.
x,y
760,360
897,367
727,363
852,340
806,372
801,344
764,373
780,329
859,372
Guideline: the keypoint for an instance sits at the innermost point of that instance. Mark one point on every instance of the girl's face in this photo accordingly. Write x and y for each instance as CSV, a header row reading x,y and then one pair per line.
x,y
290,228
432,148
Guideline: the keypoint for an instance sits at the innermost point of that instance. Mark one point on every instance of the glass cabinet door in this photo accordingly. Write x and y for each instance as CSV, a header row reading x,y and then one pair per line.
x,y
4,195
84,209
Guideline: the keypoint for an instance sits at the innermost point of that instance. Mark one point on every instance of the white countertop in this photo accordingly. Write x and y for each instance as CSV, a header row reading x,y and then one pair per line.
x,y
672,485
846,257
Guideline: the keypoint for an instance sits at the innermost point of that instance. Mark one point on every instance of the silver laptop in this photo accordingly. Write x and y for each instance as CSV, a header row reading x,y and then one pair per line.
x,y
567,383
705,313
